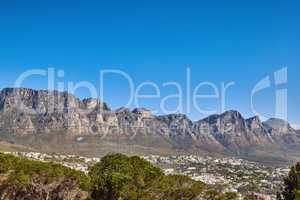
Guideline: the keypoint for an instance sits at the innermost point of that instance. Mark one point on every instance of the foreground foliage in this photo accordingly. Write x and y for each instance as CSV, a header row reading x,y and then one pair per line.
x,y
22,171
23,179
291,189
116,177
120,177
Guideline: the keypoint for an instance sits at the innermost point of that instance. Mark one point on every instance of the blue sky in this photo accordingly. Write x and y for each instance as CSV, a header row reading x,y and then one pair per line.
x,y
221,41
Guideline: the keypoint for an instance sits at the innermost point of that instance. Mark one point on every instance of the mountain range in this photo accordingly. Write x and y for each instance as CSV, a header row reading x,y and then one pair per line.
x,y
32,113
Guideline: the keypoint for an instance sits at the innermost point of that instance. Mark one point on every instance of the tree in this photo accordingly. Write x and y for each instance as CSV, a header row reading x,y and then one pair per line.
x,y
118,176
292,184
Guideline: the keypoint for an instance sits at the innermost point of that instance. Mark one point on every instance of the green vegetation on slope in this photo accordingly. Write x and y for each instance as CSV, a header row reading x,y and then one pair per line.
x,y
23,171
116,177
291,189
120,177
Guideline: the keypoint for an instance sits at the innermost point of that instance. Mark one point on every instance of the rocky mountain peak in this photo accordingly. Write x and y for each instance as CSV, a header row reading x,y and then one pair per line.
x,y
78,117
254,122
37,101
174,118
122,110
279,126
232,114
94,104
255,119
142,112
277,123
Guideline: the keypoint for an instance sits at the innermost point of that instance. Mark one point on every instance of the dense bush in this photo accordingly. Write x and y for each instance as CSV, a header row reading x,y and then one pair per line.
x,y
291,184
118,176
22,171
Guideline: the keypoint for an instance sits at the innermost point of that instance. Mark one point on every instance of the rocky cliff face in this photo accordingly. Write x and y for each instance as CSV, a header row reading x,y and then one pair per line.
x,y
27,111
31,111
282,132
279,127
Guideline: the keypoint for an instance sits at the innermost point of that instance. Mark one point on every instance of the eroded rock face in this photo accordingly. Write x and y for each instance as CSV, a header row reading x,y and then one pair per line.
x,y
229,129
279,127
31,111
27,111
142,113
36,102
235,133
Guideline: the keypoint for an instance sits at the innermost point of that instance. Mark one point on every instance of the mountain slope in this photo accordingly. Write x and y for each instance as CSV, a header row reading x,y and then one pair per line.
x,y
27,112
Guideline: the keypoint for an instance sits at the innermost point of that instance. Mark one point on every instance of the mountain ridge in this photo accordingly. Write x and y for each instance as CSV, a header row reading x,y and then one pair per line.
x,y
25,111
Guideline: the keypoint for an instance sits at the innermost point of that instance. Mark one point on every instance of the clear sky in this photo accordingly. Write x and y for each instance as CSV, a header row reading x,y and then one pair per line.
x,y
221,41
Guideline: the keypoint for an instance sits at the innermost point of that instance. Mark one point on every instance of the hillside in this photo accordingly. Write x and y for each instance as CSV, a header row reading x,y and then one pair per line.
x,y
115,177
25,179
10,146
